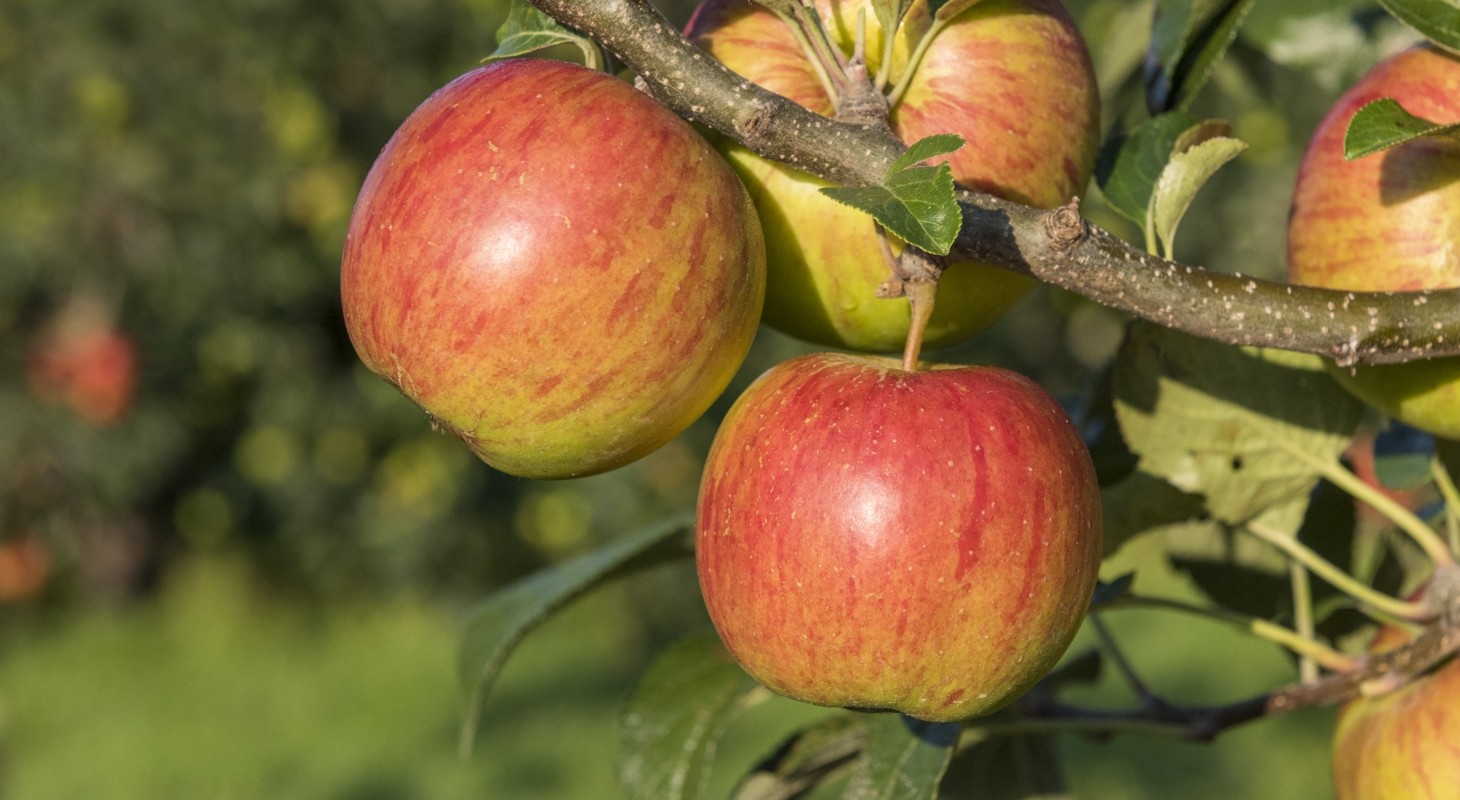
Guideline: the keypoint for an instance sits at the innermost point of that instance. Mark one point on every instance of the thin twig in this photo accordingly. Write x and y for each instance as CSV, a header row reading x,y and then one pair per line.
x,y
1341,580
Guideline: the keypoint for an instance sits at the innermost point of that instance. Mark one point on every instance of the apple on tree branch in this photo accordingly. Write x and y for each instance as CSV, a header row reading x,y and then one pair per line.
x,y
1057,247
1060,247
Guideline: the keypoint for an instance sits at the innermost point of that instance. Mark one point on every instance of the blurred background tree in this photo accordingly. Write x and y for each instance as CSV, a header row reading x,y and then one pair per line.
x,y
231,559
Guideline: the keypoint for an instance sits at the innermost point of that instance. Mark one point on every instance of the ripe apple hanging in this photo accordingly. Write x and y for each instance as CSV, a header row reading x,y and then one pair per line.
x,y
557,268
874,538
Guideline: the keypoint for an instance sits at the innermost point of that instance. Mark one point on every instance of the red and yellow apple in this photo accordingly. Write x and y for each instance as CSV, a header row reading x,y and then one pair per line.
x,y
1012,77
1388,222
1404,745
920,541
83,361
555,267
25,568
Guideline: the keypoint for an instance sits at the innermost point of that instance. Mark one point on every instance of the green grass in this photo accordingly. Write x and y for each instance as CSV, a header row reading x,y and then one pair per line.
x,y
213,691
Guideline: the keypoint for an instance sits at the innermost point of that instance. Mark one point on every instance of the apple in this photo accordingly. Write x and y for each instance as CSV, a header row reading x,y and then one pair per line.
x,y
1387,222
1012,77
925,542
83,361
560,271
1401,745
25,568
1360,455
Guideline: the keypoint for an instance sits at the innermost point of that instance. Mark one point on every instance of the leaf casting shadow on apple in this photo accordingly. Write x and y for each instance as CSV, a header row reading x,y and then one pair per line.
x,y
1416,168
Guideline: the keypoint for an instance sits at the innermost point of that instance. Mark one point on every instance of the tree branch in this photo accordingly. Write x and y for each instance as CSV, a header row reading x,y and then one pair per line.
x,y
1058,246
1041,710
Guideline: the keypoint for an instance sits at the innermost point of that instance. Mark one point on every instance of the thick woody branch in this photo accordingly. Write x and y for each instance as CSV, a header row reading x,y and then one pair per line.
x,y
1058,246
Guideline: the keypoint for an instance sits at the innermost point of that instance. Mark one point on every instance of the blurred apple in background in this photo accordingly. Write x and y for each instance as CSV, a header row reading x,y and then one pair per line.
x,y
82,360
25,568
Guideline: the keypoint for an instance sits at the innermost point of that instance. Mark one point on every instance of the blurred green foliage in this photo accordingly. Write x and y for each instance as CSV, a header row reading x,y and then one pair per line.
x,y
189,170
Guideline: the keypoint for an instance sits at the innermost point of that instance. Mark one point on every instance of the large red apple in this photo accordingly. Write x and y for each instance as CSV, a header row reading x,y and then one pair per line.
x,y
1012,77
874,538
558,269
1388,222
1404,745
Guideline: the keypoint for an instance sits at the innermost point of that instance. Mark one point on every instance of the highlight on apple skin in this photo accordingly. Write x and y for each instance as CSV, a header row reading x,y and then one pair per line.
x,y
1012,77
560,271
1388,222
925,542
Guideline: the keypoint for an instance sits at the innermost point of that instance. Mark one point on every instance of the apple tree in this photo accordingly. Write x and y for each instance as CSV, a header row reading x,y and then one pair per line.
x,y
565,275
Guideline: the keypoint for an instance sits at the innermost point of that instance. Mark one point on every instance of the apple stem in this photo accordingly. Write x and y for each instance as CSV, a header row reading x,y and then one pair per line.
x,y
1423,535
915,275
1303,622
1295,641
889,43
913,59
920,293
1451,495
1452,527
1325,569
811,55
822,50
1122,664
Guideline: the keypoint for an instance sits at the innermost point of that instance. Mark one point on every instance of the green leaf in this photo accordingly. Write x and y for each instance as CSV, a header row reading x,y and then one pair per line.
x,y
926,148
527,30
1187,39
1141,501
1183,176
1331,530
860,756
821,757
890,13
903,759
1213,420
1233,568
1130,164
498,624
1007,768
944,10
1437,19
1383,123
917,204
676,718
1321,25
